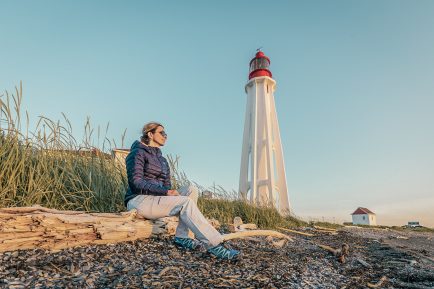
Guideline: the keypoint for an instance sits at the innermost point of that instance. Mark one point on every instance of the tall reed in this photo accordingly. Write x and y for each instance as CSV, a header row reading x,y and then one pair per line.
x,y
49,167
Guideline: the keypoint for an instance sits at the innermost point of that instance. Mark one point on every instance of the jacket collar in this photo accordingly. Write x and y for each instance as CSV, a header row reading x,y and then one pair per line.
x,y
152,150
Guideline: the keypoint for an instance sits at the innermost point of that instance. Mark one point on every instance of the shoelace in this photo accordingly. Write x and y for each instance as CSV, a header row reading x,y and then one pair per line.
x,y
223,252
189,243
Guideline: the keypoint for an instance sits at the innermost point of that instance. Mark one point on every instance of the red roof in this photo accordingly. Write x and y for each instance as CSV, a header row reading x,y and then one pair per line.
x,y
362,211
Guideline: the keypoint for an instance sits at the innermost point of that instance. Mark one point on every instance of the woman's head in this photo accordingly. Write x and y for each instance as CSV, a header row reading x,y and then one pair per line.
x,y
153,134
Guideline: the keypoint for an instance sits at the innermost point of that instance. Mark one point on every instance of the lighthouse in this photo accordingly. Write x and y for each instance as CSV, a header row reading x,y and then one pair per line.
x,y
262,172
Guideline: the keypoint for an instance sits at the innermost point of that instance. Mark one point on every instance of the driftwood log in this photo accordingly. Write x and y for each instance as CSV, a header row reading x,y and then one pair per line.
x,y
244,234
39,227
239,226
324,229
295,232
340,254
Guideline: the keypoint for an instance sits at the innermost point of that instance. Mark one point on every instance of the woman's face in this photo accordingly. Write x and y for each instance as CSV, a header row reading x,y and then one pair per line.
x,y
159,137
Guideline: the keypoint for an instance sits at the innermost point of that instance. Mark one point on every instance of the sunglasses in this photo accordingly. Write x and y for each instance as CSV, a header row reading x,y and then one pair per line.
x,y
163,133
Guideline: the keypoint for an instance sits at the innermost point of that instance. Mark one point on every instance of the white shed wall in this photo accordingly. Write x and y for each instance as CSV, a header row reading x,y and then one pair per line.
x,y
366,219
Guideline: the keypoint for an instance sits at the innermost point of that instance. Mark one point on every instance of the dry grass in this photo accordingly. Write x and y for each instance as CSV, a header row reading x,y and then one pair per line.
x,y
226,210
49,167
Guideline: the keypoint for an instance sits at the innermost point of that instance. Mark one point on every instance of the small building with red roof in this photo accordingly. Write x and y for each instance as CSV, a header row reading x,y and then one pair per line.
x,y
364,216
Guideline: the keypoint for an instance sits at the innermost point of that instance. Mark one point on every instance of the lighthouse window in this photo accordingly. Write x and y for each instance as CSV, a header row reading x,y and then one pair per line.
x,y
259,63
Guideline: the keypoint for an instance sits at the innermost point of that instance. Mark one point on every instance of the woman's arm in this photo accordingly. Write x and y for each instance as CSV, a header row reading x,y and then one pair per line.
x,y
135,163
167,183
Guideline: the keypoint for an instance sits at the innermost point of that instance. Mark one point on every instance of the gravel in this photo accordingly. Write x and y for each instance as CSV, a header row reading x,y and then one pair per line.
x,y
157,263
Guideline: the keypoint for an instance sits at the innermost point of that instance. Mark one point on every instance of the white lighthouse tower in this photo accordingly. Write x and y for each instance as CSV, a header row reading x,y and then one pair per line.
x,y
262,173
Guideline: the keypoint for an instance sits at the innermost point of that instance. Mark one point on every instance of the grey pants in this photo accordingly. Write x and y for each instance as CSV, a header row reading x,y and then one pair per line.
x,y
184,206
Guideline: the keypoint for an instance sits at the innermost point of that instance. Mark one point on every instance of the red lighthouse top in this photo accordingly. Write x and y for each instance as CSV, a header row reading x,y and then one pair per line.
x,y
259,66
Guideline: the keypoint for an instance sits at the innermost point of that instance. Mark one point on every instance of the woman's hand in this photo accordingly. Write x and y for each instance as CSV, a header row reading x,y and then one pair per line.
x,y
173,193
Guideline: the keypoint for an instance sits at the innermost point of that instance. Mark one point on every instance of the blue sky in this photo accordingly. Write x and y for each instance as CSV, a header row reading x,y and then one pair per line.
x,y
355,89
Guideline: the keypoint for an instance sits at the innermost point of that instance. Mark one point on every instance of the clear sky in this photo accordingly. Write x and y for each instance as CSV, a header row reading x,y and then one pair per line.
x,y
355,88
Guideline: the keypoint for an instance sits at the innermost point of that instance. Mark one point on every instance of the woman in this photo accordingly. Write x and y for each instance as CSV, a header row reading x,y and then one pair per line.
x,y
150,193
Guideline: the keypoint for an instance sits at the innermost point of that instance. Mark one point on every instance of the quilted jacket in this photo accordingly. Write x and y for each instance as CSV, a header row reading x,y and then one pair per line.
x,y
148,172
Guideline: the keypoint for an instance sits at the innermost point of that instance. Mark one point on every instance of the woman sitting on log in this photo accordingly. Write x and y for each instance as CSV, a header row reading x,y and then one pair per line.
x,y
151,194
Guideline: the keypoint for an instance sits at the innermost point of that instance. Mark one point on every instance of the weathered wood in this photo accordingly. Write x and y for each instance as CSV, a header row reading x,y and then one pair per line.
x,y
253,233
340,254
39,227
242,227
238,226
276,244
279,244
328,248
324,229
296,232
249,226
238,221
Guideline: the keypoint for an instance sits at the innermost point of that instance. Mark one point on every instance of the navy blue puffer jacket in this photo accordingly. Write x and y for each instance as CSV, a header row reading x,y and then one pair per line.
x,y
148,172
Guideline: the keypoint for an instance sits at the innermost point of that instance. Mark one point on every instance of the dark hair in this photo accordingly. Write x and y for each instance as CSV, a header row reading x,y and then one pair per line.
x,y
149,127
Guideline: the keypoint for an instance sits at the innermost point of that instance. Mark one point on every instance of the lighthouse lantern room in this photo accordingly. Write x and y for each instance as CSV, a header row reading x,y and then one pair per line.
x,y
259,66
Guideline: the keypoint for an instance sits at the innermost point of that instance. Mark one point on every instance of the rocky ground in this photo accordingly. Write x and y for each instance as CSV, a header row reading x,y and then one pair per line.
x,y
382,258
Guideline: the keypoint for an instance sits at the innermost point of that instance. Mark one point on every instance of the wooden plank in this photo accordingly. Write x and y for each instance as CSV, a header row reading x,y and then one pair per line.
x,y
296,232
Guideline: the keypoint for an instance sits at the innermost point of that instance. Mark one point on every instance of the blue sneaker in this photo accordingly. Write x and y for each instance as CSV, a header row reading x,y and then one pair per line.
x,y
223,253
187,243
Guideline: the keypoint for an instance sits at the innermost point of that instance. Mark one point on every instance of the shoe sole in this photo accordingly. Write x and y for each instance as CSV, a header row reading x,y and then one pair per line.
x,y
234,259
181,247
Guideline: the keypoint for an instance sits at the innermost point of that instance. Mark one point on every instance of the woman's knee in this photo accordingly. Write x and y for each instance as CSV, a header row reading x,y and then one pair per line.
x,y
184,199
181,205
193,192
190,204
193,189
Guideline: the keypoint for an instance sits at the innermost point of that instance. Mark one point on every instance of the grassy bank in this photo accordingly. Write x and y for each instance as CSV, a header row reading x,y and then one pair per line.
x,y
49,167
226,210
